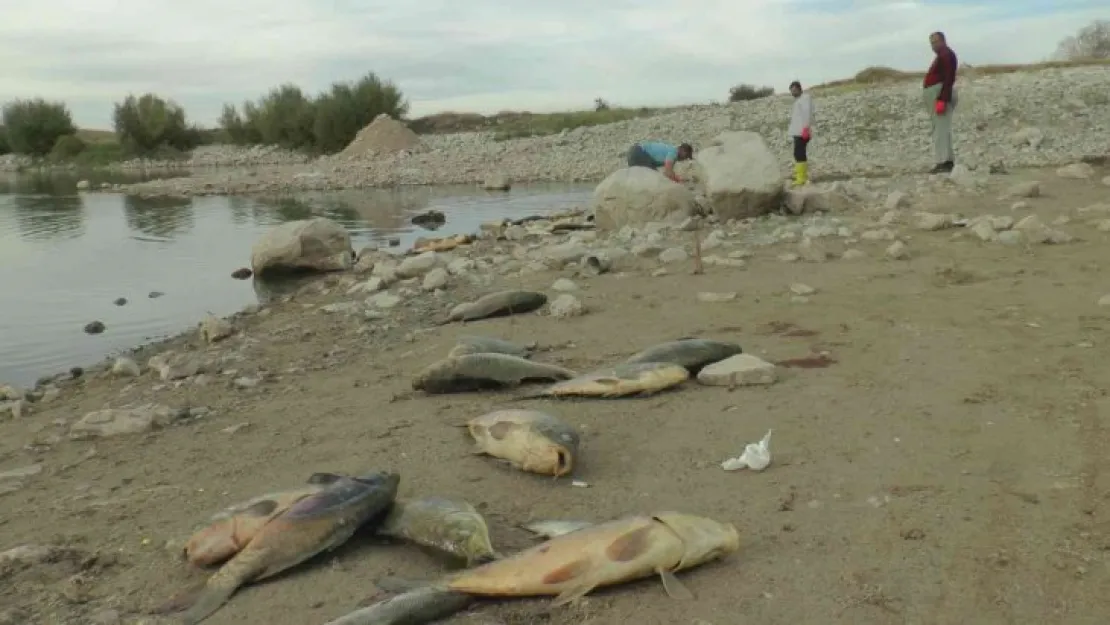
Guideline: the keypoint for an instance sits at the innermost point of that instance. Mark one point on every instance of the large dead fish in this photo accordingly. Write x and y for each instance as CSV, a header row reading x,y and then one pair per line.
x,y
498,304
314,524
474,372
642,378
453,527
570,566
530,440
231,529
692,353
489,345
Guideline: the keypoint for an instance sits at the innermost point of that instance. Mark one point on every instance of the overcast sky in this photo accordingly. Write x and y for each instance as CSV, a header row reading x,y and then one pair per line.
x,y
485,56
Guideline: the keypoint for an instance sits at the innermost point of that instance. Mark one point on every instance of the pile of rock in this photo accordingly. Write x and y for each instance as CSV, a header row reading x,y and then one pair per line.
x,y
383,136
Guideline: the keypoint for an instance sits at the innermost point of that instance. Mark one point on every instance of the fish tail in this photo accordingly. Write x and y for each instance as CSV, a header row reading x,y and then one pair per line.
x,y
208,602
413,607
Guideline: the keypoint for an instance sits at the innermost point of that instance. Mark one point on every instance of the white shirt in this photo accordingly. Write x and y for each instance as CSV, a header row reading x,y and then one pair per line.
x,y
801,116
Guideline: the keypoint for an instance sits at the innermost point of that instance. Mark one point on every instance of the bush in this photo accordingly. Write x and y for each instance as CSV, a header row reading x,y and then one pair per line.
x,y
4,147
344,110
33,126
288,118
67,147
1091,42
741,93
148,123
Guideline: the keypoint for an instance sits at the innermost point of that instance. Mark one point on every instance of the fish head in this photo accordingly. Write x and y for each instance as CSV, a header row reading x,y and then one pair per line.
x,y
703,539
349,497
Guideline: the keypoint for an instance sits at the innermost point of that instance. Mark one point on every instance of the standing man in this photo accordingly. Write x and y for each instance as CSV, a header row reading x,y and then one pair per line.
x,y
656,154
801,120
940,99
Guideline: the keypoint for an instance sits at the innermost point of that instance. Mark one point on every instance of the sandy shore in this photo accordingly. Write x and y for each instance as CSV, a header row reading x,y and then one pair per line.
x,y
948,463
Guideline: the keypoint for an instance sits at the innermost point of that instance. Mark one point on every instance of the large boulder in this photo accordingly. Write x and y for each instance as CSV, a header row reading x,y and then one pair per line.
x,y
633,196
317,244
741,175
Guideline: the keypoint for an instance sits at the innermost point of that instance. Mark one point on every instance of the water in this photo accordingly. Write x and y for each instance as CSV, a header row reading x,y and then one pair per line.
x,y
65,257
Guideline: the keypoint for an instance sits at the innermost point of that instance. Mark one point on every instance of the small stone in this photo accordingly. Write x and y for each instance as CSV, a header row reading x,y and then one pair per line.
x,y
812,251
802,289
564,285
94,327
1031,188
933,221
125,367
384,300
882,234
120,301
673,255
1009,237
214,329
1106,181
852,254
1076,171
435,279
1104,301
566,305
346,308
242,273
898,251
707,297
896,200
738,370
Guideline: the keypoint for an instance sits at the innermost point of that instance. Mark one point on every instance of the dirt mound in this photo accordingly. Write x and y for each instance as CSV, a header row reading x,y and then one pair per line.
x,y
384,135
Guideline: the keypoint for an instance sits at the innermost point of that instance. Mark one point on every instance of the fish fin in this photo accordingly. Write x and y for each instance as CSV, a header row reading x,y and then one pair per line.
x,y
180,601
530,395
208,601
400,584
265,507
674,588
323,478
574,593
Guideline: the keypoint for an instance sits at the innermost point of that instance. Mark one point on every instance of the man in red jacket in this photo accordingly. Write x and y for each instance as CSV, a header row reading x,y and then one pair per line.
x,y
940,98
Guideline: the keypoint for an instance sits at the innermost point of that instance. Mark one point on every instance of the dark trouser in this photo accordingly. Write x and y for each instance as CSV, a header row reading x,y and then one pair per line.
x,y
637,157
800,149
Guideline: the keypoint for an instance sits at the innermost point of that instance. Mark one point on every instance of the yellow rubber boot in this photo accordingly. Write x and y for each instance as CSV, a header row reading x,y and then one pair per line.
x,y
801,174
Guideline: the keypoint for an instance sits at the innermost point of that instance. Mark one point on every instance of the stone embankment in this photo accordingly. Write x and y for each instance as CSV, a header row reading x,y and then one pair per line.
x,y
1044,118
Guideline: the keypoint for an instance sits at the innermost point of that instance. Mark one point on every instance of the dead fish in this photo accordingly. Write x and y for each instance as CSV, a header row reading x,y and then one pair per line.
x,y
314,524
692,353
499,304
641,378
572,565
553,528
474,372
490,345
530,440
453,527
231,529
412,607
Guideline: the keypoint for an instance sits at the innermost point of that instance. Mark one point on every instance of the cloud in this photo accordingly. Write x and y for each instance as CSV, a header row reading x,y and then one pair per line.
x,y
486,56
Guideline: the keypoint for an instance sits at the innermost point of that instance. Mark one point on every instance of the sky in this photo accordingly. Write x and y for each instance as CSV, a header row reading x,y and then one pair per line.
x,y
485,55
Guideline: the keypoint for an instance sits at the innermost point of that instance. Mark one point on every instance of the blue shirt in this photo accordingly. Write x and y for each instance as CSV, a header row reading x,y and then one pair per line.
x,y
660,152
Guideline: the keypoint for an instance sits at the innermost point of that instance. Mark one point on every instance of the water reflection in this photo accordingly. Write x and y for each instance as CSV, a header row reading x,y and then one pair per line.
x,y
162,217
45,218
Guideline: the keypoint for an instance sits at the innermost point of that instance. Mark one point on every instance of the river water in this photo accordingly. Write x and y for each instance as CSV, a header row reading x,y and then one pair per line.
x,y
65,257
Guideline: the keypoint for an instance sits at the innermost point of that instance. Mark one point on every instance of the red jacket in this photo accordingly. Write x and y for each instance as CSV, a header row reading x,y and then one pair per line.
x,y
943,72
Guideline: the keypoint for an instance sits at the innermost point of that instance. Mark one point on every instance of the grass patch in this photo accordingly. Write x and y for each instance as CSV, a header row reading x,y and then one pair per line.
x,y
516,124
90,136
879,75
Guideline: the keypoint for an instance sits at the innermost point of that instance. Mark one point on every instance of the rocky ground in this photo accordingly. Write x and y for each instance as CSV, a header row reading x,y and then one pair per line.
x,y
948,460
1034,119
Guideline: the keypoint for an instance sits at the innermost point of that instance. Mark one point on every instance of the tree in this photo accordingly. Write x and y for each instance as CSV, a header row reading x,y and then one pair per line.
x,y
1091,42
348,107
4,147
33,126
743,92
149,122
284,117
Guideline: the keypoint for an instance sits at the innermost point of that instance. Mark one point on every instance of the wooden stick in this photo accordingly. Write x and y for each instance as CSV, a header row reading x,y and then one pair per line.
x,y
698,267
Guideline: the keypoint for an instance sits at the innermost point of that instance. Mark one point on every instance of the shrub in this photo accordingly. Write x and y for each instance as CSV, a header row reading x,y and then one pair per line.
x,y
600,104
1091,42
288,118
33,126
743,92
67,147
4,147
344,110
149,122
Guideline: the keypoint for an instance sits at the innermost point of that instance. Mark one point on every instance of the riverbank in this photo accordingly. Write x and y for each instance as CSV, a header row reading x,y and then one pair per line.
x,y
1037,119
901,487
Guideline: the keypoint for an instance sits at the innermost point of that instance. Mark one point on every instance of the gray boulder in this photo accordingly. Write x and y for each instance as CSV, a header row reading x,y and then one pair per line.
x,y
317,244
634,196
741,175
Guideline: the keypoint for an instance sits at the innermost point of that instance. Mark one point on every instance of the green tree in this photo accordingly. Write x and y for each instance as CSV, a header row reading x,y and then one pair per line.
x,y
4,147
284,117
33,126
348,107
149,122
67,147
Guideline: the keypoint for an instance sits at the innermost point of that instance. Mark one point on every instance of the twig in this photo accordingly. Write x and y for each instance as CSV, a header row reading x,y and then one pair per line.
x,y
698,267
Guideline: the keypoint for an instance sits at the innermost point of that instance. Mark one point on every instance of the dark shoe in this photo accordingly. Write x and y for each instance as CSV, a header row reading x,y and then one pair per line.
x,y
943,168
